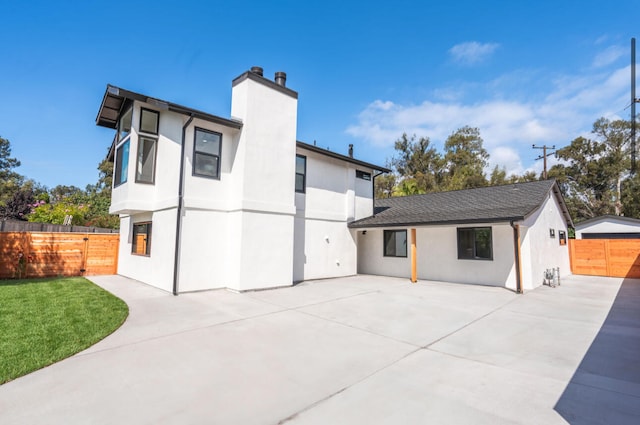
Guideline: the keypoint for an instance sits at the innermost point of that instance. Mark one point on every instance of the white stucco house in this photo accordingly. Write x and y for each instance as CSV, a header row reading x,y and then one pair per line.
x,y
209,202
500,236
609,227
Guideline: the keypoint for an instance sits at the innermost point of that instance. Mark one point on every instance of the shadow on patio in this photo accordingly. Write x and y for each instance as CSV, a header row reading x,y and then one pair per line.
x,y
605,389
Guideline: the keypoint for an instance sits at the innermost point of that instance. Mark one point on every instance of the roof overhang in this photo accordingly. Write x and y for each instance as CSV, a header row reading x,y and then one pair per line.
x,y
345,158
115,99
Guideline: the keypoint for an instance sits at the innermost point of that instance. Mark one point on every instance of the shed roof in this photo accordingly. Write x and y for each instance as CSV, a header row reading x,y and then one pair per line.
x,y
512,202
115,98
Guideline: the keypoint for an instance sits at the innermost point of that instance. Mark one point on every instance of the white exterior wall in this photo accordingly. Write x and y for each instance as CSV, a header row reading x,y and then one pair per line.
x,y
324,246
607,225
539,250
237,231
156,269
437,256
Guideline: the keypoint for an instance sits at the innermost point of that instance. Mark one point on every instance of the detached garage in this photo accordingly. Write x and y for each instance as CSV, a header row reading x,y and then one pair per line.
x,y
499,236
608,227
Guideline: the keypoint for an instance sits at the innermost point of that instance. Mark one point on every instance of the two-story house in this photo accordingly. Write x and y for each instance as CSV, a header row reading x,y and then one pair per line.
x,y
210,202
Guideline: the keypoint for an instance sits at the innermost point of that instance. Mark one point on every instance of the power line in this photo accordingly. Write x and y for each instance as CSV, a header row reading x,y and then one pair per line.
x,y
544,156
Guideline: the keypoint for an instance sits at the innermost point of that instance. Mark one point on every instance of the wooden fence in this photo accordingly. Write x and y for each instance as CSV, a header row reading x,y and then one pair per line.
x,y
605,257
43,254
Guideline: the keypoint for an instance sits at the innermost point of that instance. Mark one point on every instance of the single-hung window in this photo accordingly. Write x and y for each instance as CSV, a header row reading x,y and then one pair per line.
x,y
122,164
206,153
395,243
149,121
141,243
146,164
474,243
301,173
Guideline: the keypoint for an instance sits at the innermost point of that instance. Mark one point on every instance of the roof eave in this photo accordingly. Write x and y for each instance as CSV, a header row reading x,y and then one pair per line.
x,y
312,148
356,225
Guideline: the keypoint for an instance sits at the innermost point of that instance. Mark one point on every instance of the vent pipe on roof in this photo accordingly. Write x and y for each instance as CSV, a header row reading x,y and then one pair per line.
x,y
350,150
257,70
281,78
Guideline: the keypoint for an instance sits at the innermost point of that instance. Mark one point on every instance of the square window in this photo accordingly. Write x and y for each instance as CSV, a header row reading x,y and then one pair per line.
x,y
141,240
146,164
395,243
122,164
301,173
206,153
149,121
474,243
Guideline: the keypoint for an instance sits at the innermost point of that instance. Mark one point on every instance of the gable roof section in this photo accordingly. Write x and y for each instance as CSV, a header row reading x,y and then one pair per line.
x,y
345,158
505,203
115,99
612,218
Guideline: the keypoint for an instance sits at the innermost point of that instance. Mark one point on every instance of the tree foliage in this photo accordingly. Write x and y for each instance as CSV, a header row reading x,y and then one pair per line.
x,y
10,181
19,206
594,173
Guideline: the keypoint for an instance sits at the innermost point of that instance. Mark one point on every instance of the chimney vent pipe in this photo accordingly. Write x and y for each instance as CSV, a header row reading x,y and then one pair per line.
x,y
281,78
257,70
350,150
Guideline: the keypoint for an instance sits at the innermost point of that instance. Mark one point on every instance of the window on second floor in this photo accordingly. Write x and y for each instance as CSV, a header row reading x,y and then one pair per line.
x,y
149,121
124,124
146,163
301,173
121,167
206,153
363,175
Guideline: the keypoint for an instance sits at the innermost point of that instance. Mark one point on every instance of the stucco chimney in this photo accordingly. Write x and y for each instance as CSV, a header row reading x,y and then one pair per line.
x,y
257,70
281,78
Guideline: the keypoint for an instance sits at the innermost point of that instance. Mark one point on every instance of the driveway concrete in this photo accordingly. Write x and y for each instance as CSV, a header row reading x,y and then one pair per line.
x,y
358,350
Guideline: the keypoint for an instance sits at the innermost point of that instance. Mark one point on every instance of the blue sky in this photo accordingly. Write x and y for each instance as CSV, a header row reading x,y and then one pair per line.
x,y
522,72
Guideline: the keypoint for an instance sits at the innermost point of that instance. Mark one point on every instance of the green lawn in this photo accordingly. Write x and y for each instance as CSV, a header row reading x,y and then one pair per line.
x,y
43,321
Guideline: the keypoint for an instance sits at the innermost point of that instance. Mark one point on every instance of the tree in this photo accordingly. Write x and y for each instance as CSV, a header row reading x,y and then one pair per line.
x,y
418,160
465,159
10,181
594,176
384,185
19,206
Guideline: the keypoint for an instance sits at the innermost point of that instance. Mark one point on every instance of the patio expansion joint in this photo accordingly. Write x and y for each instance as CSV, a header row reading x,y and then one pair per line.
x,y
345,388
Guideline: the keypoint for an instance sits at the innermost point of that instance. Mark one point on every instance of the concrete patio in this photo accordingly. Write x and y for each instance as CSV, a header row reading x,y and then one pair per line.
x,y
358,350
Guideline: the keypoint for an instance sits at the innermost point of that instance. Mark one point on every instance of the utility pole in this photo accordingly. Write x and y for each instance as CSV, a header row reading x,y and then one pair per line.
x,y
634,100
544,156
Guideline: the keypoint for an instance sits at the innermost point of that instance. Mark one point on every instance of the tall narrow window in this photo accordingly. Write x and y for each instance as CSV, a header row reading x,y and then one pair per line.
x,y
149,121
206,153
474,243
395,243
124,125
146,164
122,164
301,173
141,240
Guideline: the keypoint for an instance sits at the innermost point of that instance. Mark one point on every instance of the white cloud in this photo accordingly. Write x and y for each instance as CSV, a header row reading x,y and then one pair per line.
x,y
472,52
608,56
555,113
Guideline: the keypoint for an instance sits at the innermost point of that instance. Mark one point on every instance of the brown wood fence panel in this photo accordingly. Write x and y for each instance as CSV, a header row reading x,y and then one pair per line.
x,y
43,254
605,257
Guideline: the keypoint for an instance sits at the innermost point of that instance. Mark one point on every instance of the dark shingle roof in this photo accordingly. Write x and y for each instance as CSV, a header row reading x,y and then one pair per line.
x,y
482,205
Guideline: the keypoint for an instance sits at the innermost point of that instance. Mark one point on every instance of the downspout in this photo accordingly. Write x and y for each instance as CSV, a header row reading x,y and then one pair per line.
x,y
373,190
180,207
517,253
